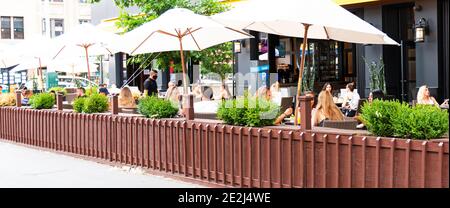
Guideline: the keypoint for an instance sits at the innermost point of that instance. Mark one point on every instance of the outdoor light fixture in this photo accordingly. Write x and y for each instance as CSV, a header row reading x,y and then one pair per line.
x,y
237,46
420,30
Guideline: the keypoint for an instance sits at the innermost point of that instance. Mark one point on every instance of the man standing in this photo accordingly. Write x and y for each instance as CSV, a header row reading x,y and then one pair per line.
x,y
150,85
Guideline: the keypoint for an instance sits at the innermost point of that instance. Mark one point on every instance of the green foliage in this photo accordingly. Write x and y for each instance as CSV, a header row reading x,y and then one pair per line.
x,y
78,104
96,103
309,77
58,89
215,59
377,78
246,111
91,91
42,101
154,107
392,118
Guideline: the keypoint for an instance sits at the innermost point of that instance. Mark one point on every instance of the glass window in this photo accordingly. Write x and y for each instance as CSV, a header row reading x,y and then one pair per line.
x,y
57,27
18,28
83,1
6,27
82,21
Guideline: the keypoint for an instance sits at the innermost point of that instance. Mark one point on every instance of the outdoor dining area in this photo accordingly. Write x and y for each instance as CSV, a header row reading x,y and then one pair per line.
x,y
252,140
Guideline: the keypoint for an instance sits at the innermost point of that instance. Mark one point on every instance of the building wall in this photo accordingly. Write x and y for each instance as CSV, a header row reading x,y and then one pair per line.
x,y
107,9
372,52
34,11
427,52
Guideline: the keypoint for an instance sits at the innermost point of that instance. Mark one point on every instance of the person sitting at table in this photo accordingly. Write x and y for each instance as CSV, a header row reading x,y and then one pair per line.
x,y
264,93
26,95
126,99
351,100
275,92
198,94
288,112
424,98
172,92
81,92
328,87
376,94
325,110
224,93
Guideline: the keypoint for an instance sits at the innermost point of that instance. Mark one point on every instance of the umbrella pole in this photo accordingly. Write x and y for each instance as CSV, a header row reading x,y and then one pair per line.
x,y
300,76
41,76
87,62
182,65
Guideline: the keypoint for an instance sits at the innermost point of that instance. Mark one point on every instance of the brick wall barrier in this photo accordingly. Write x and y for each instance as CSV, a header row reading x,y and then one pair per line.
x,y
231,155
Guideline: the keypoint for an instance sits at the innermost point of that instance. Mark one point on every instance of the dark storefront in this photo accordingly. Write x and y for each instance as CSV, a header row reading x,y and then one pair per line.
x,y
407,67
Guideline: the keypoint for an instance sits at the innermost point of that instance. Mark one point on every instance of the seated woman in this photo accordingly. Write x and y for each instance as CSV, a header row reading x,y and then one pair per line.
x,y
424,98
126,99
81,92
376,94
275,92
328,87
172,93
224,93
326,110
26,95
197,92
351,100
264,93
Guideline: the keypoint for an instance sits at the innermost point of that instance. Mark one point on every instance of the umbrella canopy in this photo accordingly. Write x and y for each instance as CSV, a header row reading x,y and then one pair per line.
x,y
85,40
72,66
6,59
318,19
179,30
327,20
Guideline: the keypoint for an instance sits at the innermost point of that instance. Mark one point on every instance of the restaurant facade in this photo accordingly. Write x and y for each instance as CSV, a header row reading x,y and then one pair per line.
x,y
415,63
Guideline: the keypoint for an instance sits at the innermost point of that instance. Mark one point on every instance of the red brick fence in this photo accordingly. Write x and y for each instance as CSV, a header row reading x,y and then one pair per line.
x,y
234,156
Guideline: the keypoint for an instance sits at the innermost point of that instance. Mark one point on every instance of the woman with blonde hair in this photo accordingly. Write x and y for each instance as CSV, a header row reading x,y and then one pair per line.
x,y
172,93
424,98
264,92
326,110
126,99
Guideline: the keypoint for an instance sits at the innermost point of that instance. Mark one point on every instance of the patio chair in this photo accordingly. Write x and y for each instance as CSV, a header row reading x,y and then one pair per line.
x,y
286,102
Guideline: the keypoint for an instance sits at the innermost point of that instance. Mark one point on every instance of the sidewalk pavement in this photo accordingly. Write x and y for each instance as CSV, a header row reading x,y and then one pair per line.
x,y
24,167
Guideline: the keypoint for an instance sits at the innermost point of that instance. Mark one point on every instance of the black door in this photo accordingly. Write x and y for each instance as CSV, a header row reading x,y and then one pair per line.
x,y
398,21
444,51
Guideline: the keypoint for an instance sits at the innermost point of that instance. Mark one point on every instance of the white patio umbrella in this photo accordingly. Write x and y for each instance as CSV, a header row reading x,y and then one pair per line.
x,y
6,59
85,40
179,30
33,53
71,66
318,19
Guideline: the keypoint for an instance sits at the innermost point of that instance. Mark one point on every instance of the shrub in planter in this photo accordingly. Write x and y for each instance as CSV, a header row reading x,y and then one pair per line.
x,y
42,101
96,103
153,107
58,89
422,122
91,91
251,112
7,99
78,104
391,118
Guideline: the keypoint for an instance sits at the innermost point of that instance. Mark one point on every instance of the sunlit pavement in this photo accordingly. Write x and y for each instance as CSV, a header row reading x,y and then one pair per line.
x,y
26,167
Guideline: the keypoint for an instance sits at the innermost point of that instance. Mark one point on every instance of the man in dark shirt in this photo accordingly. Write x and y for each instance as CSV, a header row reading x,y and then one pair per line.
x,y
150,85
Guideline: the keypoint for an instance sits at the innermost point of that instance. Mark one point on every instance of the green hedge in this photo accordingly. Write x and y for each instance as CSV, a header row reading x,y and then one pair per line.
x,y
96,103
42,101
251,112
153,107
394,119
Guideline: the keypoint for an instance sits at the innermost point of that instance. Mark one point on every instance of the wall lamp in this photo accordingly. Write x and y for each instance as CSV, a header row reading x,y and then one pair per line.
x,y
420,29
237,46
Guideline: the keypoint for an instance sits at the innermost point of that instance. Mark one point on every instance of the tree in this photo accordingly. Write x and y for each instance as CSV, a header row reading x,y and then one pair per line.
x,y
215,59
